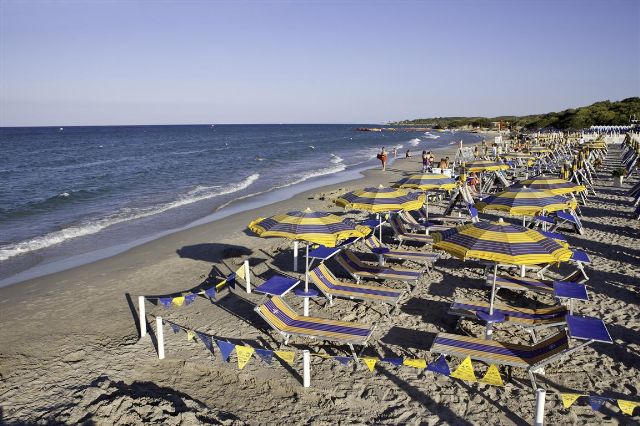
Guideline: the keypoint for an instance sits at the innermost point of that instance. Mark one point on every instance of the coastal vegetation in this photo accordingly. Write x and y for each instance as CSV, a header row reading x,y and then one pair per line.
x,y
604,113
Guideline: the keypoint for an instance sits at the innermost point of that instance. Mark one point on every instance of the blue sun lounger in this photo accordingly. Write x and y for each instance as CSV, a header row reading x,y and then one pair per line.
x,y
416,226
359,269
532,358
384,252
288,323
531,319
402,234
331,287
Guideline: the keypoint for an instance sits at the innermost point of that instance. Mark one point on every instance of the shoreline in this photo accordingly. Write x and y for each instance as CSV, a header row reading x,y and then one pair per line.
x,y
246,204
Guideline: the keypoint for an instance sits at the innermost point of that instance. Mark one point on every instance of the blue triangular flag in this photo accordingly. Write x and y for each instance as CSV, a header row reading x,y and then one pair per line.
x,y
344,360
440,366
231,278
206,340
175,327
189,298
225,349
211,292
265,355
394,361
596,402
165,301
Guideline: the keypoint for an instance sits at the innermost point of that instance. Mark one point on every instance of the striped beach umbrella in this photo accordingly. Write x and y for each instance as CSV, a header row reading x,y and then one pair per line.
x,y
381,200
313,227
525,201
553,185
485,166
500,242
428,181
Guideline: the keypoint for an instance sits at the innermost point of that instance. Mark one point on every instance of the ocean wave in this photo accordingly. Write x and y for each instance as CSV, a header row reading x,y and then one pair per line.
x,y
44,204
430,135
124,215
415,141
336,159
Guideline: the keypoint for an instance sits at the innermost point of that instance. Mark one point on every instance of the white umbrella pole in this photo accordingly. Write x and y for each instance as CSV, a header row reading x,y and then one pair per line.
x,y
380,226
306,282
489,329
295,256
427,199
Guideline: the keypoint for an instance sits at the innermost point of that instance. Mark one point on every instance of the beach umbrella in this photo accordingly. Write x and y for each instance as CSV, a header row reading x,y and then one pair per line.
x,y
555,186
313,227
525,201
500,242
427,182
485,166
381,200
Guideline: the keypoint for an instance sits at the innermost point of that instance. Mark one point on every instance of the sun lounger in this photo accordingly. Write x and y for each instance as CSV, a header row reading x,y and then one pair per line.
x,y
331,287
416,226
531,319
402,234
288,323
570,218
531,284
532,358
359,269
401,254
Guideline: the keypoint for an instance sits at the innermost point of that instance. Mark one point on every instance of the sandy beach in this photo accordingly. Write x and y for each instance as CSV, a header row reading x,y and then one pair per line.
x,y
70,350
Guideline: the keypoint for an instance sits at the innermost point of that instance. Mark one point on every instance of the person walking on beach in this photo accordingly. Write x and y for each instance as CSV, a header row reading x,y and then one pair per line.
x,y
395,152
383,158
425,161
408,154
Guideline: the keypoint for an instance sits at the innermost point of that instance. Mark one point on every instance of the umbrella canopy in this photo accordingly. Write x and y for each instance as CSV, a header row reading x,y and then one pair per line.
x,y
552,185
315,227
500,242
381,199
485,166
525,201
428,181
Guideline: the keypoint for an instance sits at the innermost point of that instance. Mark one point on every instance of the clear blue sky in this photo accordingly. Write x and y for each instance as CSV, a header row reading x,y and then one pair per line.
x,y
122,62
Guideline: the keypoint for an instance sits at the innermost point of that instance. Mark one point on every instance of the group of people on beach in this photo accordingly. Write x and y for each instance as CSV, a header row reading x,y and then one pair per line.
x,y
428,160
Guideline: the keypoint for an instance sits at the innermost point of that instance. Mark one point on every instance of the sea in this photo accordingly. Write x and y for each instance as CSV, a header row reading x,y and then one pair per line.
x,y
73,195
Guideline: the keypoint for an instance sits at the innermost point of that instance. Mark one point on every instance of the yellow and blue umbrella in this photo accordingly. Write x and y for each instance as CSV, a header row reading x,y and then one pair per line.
x,y
553,185
380,200
485,166
428,181
500,242
525,201
314,227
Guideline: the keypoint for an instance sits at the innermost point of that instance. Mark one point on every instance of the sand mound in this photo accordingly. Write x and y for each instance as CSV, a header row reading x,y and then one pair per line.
x,y
107,402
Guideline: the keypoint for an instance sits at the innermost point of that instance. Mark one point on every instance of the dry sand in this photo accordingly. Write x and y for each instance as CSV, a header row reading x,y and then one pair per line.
x,y
70,350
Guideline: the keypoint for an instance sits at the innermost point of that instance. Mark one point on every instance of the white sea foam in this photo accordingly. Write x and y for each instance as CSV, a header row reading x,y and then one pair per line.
x,y
414,141
430,135
336,159
124,215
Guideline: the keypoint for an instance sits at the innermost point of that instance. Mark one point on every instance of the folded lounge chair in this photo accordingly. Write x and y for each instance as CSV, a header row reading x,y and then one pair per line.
x,y
331,287
531,319
532,358
401,254
402,234
359,269
288,323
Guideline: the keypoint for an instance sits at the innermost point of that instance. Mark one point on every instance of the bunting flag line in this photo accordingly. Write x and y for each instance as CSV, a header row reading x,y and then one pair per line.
x,y
344,360
419,363
465,371
244,354
240,272
569,398
191,336
189,298
286,356
226,349
492,377
175,327
596,402
178,301
206,340
395,361
370,362
265,355
440,366
211,292
165,301
627,407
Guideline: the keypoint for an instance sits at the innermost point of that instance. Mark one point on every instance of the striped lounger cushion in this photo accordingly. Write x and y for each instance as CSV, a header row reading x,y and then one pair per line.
x,y
373,243
281,317
520,283
329,284
351,262
491,351
551,315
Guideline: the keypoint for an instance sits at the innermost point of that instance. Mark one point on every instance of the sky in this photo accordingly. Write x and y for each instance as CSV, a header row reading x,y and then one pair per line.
x,y
182,62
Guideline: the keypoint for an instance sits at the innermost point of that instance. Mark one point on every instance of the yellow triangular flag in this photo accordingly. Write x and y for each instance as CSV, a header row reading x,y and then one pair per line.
x,y
370,361
286,356
415,363
465,371
178,301
244,354
240,272
569,398
492,377
627,407
190,335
